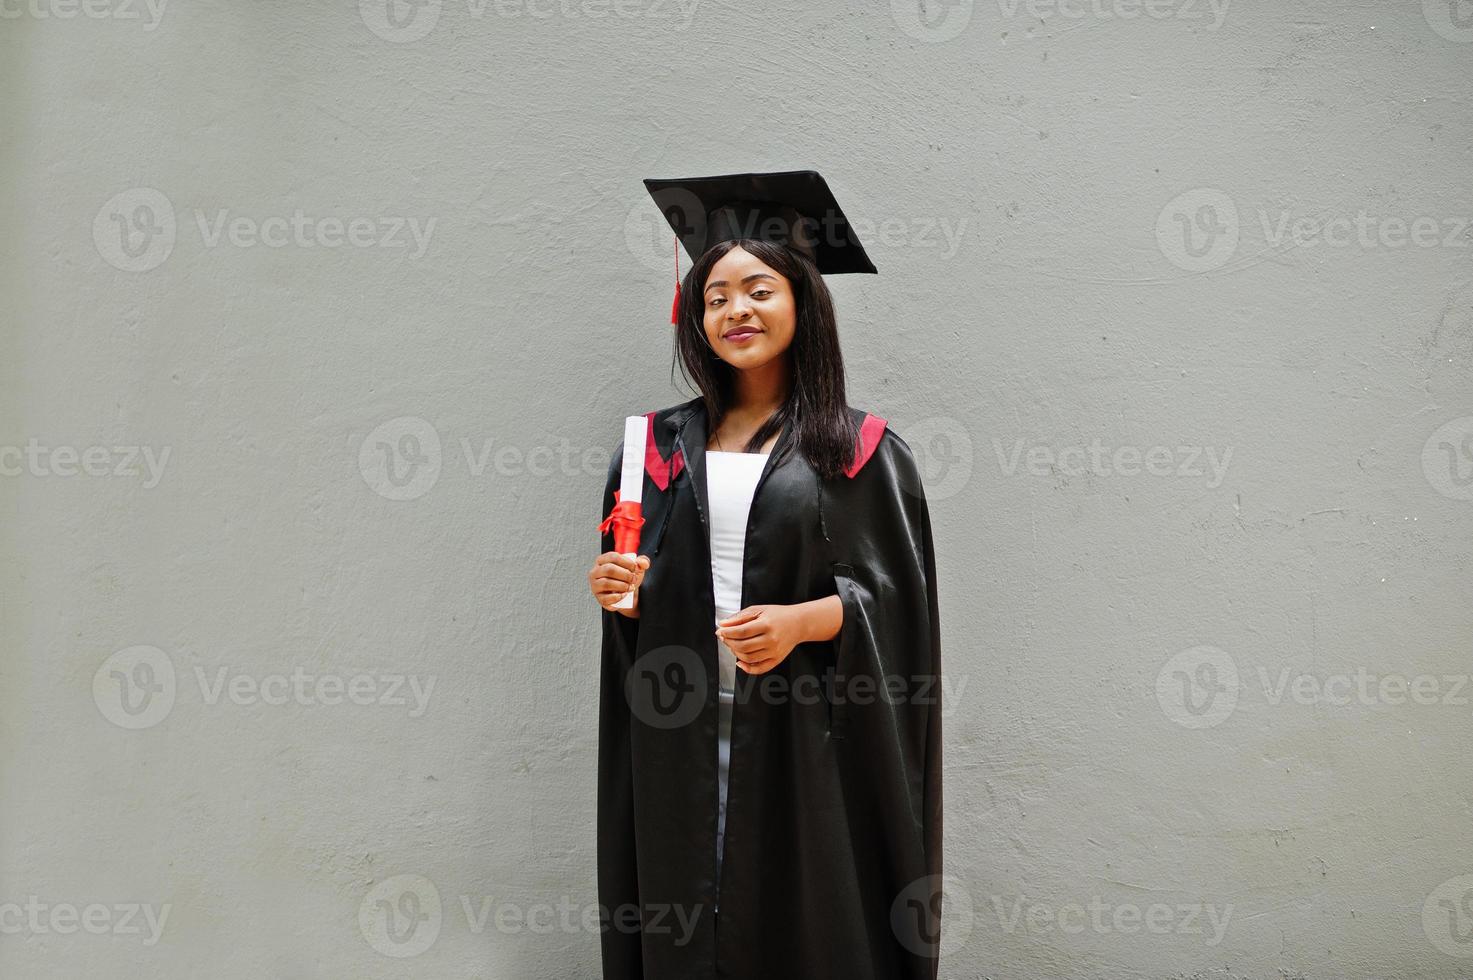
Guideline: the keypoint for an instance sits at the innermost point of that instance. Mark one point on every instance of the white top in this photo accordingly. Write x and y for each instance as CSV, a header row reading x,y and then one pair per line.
x,y
731,482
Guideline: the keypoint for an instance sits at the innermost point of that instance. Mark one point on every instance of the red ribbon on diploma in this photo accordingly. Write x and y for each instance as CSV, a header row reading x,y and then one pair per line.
x,y
626,520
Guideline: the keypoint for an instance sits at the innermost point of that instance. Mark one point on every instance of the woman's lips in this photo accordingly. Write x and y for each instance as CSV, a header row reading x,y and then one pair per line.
x,y
742,334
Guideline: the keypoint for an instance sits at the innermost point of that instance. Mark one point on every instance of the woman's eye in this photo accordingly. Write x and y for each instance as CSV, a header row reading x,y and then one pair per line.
x,y
718,300
762,293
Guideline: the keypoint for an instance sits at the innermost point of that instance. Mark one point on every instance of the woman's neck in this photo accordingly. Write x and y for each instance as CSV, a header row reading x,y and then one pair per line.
x,y
758,392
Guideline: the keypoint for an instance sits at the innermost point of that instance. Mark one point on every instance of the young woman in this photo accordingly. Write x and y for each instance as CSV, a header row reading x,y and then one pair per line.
x,y
770,735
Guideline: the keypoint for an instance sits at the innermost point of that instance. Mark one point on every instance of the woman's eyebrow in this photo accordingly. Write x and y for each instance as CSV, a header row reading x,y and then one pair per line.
x,y
745,279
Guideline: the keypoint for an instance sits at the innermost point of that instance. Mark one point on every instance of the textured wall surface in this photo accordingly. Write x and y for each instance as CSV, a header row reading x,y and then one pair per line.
x,y
320,322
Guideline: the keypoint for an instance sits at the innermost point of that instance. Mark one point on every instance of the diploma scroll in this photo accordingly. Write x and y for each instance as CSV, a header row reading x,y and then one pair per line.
x,y
626,518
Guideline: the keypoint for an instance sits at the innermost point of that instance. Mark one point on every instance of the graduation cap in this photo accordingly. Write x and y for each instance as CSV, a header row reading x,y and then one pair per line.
x,y
793,208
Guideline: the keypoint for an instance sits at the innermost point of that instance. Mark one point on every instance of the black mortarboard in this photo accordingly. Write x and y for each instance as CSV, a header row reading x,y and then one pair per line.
x,y
793,207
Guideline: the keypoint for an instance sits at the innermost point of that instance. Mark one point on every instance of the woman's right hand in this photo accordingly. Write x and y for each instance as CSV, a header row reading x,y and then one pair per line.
x,y
613,575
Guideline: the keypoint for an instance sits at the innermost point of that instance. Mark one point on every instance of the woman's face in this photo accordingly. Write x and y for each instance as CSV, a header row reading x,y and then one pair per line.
x,y
750,310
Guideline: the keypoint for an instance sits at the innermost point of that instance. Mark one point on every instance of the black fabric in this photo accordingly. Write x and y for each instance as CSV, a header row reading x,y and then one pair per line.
x,y
832,864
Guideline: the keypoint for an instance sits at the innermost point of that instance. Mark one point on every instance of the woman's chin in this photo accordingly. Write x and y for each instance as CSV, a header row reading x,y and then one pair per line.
x,y
746,362
750,355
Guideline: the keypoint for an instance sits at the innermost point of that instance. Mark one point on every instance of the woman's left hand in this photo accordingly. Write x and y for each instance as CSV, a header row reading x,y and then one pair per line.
x,y
762,636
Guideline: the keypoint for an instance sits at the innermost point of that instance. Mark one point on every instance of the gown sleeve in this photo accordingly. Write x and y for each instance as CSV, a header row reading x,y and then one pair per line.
x,y
884,570
618,884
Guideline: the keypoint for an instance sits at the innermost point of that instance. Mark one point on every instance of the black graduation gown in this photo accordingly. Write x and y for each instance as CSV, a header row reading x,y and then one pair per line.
x,y
832,862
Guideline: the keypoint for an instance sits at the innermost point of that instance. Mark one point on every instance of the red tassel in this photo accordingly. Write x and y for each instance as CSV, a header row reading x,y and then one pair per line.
x,y
675,306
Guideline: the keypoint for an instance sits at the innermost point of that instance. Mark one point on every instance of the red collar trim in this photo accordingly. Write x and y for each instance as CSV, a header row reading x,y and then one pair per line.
x,y
661,471
869,440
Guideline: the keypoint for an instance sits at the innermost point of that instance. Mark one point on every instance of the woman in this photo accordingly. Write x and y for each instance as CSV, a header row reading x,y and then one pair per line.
x,y
769,753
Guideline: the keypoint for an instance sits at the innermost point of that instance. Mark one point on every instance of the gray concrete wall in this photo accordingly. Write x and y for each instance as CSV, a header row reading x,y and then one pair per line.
x,y
319,326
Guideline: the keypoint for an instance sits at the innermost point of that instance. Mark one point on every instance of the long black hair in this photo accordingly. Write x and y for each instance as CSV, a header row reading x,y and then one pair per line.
x,y
817,407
